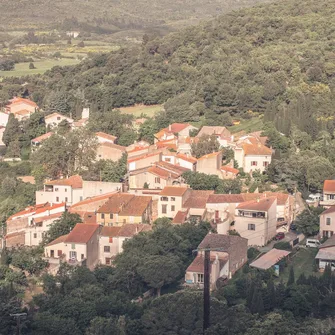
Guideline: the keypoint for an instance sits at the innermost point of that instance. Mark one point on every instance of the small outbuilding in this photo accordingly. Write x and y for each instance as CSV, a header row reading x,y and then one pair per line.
x,y
270,259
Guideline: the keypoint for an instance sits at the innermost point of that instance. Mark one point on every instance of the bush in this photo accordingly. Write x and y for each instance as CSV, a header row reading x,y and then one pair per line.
x,y
283,246
252,253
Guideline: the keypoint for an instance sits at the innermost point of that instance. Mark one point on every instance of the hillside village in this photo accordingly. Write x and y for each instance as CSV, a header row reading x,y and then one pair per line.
x,y
155,187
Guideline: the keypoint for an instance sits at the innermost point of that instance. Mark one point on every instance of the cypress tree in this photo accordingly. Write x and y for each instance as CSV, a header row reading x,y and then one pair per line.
x,y
291,279
302,280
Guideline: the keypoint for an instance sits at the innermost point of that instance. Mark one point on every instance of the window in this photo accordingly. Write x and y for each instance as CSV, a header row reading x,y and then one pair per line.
x,y
73,255
200,278
65,189
328,221
157,180
58,118
111,240
111,216
164,209
332,196
251,226
173,208
253,163
81,198
173,199
73,246
265,164
168,160
107,248
59,253
56,189
82,256
100,191
164,199
52,253
102,215
35,235
66,200
57,199
108,261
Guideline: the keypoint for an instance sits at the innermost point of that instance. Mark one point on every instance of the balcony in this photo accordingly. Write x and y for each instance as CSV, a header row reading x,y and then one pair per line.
x,y
255,215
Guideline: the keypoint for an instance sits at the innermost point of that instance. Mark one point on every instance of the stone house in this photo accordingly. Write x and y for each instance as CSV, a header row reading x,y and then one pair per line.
x,y
21,108
327,222
210,164
108,150
37,141
328,193
228,254
105,138
54,119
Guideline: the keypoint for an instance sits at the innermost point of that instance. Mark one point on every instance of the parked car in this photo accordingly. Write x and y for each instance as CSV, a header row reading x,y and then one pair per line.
x,y
279,236
281,222
312,243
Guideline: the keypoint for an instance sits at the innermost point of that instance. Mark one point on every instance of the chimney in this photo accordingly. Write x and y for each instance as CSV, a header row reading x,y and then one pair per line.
x,y
170,128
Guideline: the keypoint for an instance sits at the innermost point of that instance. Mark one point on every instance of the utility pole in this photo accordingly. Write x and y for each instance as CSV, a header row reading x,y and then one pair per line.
x,y
18,316
206,290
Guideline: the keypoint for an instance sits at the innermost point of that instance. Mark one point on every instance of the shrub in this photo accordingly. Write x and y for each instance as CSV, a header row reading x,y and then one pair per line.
x,y
283,246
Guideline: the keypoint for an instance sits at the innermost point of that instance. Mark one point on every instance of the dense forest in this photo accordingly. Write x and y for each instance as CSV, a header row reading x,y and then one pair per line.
x,y
274,59
113,15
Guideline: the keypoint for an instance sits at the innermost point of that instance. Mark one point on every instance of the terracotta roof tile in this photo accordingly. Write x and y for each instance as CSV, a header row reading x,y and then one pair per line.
x,y
81,233
42,137
210,130
229,169
177,191
256,149
225,198
115,203
112,145
137,158
162,173
197,199
110,231
177,127
91,200
136,206
74,181
330,210
17,100
180,217
329,186
198,263
225,242
257,205
106,136
131,229
190,159
59,239
48,217
89,218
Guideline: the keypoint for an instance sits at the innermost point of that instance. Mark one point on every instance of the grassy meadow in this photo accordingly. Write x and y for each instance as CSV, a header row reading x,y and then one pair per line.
x,y
138,110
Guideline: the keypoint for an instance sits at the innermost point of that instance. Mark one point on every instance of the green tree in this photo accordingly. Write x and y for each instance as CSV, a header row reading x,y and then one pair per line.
x,y
206,145
291,279
13,150
308,221
158,271
62,226
31,66
147,130
12,131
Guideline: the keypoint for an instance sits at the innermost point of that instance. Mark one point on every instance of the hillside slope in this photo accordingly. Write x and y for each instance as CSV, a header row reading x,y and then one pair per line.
x,y
121,13
276,59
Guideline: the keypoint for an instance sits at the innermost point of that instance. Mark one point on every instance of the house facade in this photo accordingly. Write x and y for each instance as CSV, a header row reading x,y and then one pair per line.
x,y
54,119
256,220
171,201
327,222
79,247
111,151
328,193
228,256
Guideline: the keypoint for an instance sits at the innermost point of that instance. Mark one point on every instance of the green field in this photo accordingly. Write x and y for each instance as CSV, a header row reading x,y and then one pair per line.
x,y
249,126
22,69
137,110
302,262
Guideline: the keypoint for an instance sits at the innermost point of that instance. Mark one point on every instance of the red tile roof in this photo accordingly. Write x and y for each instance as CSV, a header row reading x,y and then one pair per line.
x,y
329,186
180,217
187,158
257,205
48,217
225,198
137,158
74,181
257,149
177,191
56,114
330,210
110,231
89,218
115,203
197,199
42,137
136,206
229,169
177,127
131,229
17,100
40,208
198,263
210,155
211,130
112,145
157,171
59,239
81,233
106,136
91,200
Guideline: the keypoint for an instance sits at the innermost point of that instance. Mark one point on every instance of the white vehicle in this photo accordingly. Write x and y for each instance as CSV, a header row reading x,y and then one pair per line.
x,y
314,197
312,243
